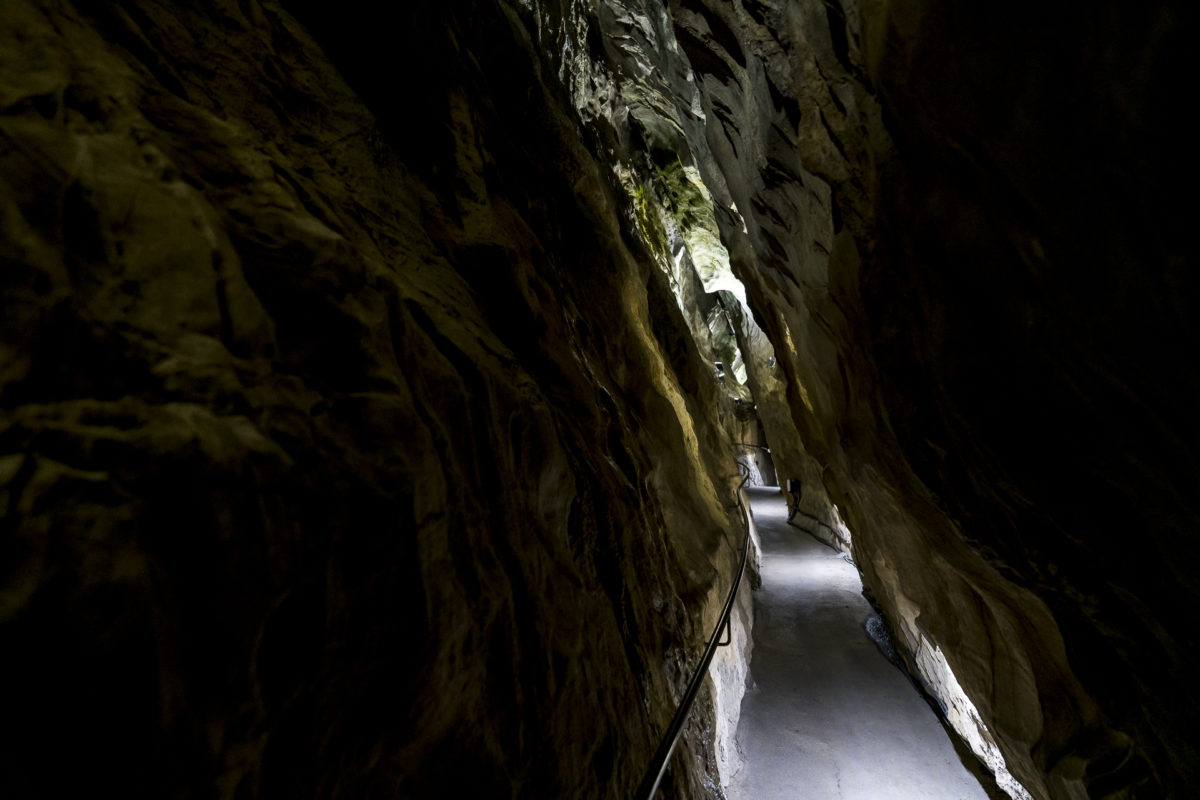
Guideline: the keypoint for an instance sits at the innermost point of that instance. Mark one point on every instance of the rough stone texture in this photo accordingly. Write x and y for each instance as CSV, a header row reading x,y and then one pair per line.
x,y
1053,301
636,99
959,227
729,673
359,431
352,443
755,451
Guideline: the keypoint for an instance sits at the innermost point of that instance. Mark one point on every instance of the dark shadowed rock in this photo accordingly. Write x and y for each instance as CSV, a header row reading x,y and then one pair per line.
x,y
351,444
984,297
360,431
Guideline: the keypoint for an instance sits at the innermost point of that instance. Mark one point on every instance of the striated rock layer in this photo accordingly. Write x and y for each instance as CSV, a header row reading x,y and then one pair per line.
x,y
959,228
353,442
361,428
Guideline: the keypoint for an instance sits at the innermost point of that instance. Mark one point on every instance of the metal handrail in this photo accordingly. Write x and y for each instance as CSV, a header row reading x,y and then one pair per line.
x,y
662,756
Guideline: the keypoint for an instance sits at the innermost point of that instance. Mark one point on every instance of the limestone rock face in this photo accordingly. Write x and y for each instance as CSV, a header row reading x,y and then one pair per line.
x,y
361,433
352,442
957,226
1035,229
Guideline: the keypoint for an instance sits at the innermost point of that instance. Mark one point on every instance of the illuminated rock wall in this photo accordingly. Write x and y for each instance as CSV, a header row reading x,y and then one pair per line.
x,y
960,227
353,441
361,433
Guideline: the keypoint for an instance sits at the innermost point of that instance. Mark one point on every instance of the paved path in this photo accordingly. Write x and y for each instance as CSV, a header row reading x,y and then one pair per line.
x,y
830,718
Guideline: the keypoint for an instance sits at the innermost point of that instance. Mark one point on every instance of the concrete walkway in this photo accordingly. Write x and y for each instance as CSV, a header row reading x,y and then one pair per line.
x,y
830,717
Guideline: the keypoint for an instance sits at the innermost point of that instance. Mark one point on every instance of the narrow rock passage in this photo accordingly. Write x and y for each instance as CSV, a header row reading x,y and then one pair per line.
x,y
830,718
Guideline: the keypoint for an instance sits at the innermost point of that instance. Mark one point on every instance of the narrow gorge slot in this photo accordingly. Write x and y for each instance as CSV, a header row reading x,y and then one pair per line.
x,y
377,382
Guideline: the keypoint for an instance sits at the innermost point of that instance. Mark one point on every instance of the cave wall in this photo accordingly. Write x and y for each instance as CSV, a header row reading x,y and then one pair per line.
x,y
358,420
963,230
353,443
1054,300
